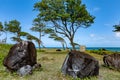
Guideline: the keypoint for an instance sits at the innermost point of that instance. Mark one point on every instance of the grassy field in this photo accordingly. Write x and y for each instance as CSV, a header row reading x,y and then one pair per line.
x,y
51,62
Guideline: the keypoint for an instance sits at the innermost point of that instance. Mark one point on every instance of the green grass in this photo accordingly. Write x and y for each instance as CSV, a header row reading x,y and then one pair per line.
x,y
100,52
4,48
51,62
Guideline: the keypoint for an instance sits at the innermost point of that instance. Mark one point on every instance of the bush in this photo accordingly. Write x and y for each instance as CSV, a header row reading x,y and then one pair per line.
x,y
101,51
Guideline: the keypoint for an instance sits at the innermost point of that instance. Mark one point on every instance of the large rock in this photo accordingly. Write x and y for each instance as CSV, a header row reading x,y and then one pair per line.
x,y
79,64
20,54
112,60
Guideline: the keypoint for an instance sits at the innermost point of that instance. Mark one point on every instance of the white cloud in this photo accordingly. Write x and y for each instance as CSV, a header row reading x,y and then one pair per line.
x,y
117,34
92,35
107,24
96,9
97,40
95,37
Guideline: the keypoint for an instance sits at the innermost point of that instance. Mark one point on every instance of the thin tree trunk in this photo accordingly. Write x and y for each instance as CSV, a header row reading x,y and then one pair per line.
x,y
6,36
18,36
66,45
72,44
40,40
39,44
63,45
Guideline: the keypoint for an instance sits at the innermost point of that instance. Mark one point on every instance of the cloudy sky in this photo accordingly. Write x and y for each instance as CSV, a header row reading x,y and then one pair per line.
x,y
99,34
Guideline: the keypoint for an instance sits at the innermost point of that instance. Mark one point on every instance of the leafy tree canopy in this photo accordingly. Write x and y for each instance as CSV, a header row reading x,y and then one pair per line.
x,y
67,16
13,26
116,28
1,26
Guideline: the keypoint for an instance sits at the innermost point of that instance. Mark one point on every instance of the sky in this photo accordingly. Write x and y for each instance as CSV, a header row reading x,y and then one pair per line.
x,y
99,34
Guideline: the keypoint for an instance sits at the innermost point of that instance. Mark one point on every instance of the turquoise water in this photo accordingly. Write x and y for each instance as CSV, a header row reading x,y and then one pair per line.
x,y
115,49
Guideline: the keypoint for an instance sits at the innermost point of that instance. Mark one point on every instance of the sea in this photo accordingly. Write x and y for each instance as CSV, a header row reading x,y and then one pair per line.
x,y
114,49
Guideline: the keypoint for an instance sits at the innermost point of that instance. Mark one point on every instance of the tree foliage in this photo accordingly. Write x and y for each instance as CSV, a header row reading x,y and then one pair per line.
x,y
2,32
67,16
116,28
1,26
38,26
59,39
14,27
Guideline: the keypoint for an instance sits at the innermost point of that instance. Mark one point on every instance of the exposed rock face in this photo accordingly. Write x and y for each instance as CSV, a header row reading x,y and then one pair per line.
x,y
112,60
25,70
20,55
80,64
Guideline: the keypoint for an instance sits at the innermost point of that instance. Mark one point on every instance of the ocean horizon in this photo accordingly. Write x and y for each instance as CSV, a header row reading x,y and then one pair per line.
x,y
114,49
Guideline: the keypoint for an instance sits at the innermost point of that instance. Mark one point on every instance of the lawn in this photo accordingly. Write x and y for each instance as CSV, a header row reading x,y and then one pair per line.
x,y
51,62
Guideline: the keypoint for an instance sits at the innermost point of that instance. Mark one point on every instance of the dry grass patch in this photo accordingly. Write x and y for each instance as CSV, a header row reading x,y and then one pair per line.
x,y
51,62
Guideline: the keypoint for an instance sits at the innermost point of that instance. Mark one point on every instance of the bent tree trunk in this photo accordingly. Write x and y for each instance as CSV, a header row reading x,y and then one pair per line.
x,y
18,36
40,35
72,44
39,45
63,45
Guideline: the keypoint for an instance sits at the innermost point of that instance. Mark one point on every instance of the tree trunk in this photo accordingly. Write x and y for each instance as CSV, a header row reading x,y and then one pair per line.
x,y
6,36
66,45
39,44
63,45
18,36
40,40
72,44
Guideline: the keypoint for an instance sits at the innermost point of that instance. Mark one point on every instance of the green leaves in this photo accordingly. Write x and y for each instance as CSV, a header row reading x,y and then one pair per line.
x,y
117,28
13,26
49,31
71,10
1,26
38,25
67,16
23,33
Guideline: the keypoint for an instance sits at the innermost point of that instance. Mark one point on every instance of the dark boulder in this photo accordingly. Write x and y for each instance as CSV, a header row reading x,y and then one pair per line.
x,y
20,54
112,60
79,64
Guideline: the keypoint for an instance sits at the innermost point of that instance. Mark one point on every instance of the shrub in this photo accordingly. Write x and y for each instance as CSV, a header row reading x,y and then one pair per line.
x,y
101,51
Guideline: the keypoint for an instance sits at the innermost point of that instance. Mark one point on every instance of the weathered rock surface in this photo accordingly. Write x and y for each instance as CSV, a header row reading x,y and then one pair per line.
x,y
79,64
112,60
21,57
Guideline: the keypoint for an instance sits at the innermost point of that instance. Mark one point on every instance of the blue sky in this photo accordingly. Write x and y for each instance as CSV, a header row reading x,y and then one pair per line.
x,y
99,34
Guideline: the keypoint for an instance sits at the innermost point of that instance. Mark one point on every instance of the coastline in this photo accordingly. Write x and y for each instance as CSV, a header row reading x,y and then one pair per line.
x,y
114,49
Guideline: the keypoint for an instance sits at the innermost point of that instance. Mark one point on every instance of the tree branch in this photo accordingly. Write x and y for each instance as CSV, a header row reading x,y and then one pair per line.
x,y
61,29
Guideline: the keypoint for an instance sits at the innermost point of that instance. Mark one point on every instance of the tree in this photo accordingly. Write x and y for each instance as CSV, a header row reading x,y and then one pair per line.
x,y
3,31
54,36
59,39
117,28
31,37
38,26
14,27
67,16
1,28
